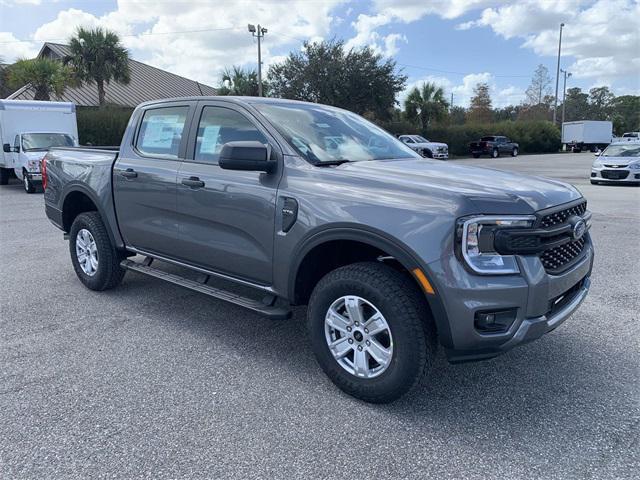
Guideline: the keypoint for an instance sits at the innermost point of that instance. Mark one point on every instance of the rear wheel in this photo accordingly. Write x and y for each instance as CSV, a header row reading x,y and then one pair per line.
x,y
28,186
495,153
370,331
94,258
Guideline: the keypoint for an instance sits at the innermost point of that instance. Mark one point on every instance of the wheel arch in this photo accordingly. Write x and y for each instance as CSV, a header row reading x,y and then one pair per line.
x,y
375,242
79,199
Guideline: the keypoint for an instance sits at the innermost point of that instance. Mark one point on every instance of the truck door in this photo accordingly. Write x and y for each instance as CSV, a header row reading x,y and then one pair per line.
x,y
227,216
144,177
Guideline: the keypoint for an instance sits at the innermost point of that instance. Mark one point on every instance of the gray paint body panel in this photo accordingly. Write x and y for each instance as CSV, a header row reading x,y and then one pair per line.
x,y
233,225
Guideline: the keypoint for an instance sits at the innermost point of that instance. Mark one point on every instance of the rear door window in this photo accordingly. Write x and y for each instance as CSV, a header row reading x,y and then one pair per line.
x,y
161,131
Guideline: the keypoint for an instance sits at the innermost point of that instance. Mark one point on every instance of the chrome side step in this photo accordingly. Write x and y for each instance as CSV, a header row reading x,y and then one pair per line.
x,y
267,308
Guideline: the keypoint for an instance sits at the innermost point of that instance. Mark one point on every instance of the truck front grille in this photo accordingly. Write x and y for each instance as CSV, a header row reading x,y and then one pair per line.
x,y
558,258
561,216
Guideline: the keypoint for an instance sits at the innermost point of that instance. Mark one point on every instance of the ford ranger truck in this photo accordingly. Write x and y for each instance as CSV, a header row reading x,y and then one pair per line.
x,y
394,255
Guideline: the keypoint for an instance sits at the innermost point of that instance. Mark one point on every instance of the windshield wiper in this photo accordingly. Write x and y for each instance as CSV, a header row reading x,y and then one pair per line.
x,y
332,162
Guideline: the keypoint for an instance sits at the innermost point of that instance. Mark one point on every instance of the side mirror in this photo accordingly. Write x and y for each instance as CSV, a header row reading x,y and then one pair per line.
x,y
249,156
6,148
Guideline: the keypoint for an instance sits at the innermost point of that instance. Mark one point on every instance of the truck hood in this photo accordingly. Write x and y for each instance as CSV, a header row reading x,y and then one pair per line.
x,y
489,191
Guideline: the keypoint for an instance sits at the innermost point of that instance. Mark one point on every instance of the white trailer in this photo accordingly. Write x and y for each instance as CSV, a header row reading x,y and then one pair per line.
x,y
27,130
587,134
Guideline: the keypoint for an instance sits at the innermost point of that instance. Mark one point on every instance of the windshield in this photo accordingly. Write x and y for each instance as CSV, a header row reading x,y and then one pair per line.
x,y
622,151
42,141
323,134
420,139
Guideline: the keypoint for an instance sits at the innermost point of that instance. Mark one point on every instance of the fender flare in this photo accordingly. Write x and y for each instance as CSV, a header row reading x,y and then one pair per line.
x,y
79,187
382,241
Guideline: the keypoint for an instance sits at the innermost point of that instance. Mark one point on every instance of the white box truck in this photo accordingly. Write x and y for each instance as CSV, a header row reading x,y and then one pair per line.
x,y
593,135
27,130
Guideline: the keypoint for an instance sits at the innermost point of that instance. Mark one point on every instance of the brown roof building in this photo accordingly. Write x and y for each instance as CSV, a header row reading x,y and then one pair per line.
x,y
147,83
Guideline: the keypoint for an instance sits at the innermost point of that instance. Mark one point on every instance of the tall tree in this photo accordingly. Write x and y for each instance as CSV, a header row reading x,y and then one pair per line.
x,y
425,104
576,105
237,81
46,76
457,115
358,80
480,108
600,103
98,56
539,91
626,113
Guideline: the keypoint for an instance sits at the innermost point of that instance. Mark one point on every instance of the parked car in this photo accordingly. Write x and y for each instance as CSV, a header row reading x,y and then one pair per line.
x,y
425,147
494,145
590,135
27,130
628,137
618,163
310,204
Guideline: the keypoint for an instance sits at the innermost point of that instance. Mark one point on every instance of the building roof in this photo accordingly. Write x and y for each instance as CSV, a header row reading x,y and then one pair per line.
x,y
147,83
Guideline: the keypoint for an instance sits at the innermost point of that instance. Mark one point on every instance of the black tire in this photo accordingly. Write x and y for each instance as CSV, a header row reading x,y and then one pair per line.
x,y
403,305
595,182
427,153
476,155
5,173
495,153
108,273
514,152
28,185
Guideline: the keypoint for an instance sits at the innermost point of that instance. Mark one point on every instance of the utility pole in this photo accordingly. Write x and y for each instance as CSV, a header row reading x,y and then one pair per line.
x,y
555,103
564,91
451,104
258,33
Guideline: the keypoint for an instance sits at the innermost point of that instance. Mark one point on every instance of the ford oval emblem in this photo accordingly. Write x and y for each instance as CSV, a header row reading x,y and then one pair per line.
x,y
579,227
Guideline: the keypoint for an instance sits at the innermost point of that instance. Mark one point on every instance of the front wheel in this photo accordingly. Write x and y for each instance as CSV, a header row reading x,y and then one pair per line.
x,y
427,153
370,331
495,153
28,186
94,258
514,152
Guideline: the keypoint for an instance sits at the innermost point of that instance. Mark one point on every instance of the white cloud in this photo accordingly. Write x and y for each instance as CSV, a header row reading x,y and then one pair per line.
x,y
11,48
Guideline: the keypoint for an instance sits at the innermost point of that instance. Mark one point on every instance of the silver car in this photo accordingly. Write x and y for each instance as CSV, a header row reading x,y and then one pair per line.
x,y
618,163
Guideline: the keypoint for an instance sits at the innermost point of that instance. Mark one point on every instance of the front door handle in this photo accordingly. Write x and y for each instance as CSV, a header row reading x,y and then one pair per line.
x,y
193,182
129,173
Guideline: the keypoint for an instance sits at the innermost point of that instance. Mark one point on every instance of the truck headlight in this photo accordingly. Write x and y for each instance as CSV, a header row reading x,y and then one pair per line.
x,y
475,237
635,166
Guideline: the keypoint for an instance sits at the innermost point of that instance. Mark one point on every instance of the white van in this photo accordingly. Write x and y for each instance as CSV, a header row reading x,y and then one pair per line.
x,y
27,130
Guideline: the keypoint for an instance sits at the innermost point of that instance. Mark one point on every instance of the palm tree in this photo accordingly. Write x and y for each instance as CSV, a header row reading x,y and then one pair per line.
x,y
239,81
46,76
97,55
425,103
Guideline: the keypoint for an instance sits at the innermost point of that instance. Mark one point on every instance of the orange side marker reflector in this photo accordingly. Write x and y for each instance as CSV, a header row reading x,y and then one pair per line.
x,y
426,286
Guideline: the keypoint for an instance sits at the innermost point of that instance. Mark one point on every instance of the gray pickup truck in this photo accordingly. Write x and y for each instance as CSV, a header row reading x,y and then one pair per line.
x,y
395,255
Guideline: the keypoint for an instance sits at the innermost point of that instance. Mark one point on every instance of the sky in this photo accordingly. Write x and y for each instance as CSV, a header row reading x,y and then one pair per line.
x,y
454,43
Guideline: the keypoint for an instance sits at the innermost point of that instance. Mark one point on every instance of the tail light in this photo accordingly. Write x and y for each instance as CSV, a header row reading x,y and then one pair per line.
x,y
43,171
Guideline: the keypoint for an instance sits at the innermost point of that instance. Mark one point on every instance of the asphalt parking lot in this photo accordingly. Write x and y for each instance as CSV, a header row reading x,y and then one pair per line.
x,y
153,381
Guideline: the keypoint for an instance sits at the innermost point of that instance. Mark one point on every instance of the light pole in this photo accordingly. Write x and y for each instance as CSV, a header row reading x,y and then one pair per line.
x,y
555,103
564,91
258,33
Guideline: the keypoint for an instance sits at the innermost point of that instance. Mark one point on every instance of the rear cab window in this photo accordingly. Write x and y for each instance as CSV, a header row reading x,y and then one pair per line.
x,y
161,131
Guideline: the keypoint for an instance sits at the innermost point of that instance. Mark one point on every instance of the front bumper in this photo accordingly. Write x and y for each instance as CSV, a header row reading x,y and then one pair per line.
x,y
531,294
34,176
440,156
615,175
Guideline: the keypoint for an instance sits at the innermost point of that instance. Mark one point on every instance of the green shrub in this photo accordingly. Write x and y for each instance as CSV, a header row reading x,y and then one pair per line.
x,y
102,126
533,136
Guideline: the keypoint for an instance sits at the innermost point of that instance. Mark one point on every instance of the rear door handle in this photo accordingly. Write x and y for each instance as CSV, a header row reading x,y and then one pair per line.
x,y
193,182
129,173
